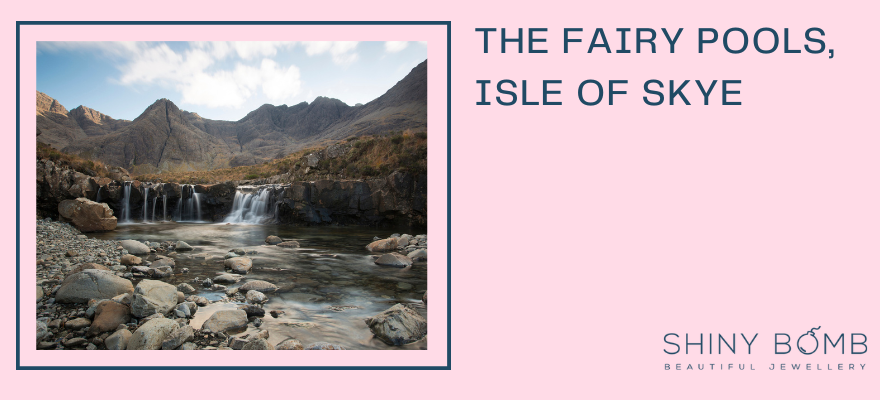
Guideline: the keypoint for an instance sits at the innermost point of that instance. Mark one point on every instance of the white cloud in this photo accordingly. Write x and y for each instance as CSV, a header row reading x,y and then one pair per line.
x,y
343,52
394,47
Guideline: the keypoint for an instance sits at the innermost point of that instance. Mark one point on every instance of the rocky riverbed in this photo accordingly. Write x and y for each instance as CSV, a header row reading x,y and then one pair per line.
x,y
95,293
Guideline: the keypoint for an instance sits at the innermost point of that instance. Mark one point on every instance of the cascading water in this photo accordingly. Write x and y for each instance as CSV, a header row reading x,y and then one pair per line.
x,y
189,207
154,207
164,207
146,196
253,206
98,196
126,198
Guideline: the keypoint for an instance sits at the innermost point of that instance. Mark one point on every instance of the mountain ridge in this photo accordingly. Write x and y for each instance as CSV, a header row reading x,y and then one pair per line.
x,y
166,138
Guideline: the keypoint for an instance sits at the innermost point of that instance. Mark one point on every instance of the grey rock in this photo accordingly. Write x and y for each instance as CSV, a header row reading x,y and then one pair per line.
x,y
152,297
151,334
182,246
393,260
239,265
227,278
398,325
289,344
177,337
256,297
186,288
323,346
118,340
258,343
92,284
418,255
273,240
225,320
135,247
260,286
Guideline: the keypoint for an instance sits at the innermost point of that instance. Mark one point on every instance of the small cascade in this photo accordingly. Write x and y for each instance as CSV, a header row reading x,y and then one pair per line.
x,y
189,207
126,198
253,205
164,207
154,207
146,196
98,196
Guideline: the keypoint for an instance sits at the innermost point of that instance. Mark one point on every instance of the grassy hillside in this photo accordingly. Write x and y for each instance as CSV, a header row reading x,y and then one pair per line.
x,y
364,157
85,166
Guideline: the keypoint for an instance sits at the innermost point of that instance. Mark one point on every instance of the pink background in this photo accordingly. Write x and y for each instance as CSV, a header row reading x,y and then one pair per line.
x,y
582,235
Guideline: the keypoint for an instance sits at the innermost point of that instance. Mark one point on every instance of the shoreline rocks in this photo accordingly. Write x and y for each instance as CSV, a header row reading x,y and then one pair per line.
x,y
86,215
398,325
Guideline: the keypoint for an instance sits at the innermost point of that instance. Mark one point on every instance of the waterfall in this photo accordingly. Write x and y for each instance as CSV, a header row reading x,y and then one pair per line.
x,y
164,207
146,195
126,197
154,207
253,207
189,207
98,196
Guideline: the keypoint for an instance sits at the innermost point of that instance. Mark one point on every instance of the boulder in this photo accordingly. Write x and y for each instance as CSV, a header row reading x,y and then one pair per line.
x,y
86,215
273,240
389,244
118,340
253,311
91,284
177,337
258,343
151,297
418,255
85,266
163,262
123,299
129,259
183,310
227,278
186,288
108,316
323,346
289,344
260,286
393,260
239,265
225,320
134,247
39,292
288,243
182,246
151,334
398,325
256,297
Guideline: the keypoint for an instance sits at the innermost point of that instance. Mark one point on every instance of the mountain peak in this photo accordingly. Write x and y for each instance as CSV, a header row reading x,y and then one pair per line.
x,y
48,104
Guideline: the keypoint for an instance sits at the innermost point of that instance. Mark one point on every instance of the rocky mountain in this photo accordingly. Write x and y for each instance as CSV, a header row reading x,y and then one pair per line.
x,y
165,138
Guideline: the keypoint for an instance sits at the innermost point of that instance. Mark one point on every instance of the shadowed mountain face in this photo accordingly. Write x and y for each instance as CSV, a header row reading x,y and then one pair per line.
x,y
165,138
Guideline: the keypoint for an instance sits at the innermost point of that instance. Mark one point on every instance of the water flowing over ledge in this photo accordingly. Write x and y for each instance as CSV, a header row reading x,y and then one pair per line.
x,y
399,199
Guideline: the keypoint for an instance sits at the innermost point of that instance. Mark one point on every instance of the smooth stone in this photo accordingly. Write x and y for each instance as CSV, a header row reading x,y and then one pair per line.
x,y
185,311
253,311
389,244
182,246
188,346
239,265
108,316
225,320
77,324
323,346
151,334
227,278
260,286
420,254
177,337
75,342
85,266
118,340
288,243
129,259
258,343
393,260
135,247
185,288
92,284
256,297
290,344
398,325
273,240
151,297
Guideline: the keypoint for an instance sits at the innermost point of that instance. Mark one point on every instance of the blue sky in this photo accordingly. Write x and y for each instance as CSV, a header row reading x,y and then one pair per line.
x,y
219,80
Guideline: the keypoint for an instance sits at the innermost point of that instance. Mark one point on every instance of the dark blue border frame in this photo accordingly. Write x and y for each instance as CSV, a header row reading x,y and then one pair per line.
x,y
18,25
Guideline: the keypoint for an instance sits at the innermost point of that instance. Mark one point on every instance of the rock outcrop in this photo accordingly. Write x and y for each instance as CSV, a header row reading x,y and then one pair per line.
x,y
398,325
92,284
86,215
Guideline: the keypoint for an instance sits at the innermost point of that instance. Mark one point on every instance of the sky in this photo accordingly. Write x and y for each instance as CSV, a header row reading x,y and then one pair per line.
x,y
219,80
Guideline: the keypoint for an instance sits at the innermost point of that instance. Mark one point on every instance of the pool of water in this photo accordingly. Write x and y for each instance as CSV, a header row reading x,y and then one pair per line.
x,y
327,286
